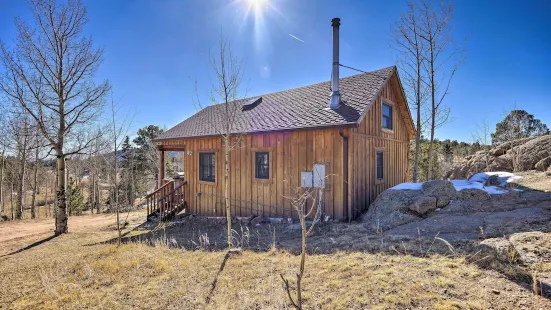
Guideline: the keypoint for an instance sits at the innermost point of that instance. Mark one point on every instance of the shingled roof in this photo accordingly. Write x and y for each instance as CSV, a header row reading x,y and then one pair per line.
x,y
297,108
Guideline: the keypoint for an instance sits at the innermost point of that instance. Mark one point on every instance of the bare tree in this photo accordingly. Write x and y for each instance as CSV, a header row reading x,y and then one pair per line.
x,y
412,56
307,202
482,135
37,146
442,61
228,73
50,74
118,131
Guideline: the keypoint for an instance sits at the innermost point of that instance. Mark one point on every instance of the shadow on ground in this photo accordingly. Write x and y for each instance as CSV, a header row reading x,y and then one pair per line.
x,y
30,246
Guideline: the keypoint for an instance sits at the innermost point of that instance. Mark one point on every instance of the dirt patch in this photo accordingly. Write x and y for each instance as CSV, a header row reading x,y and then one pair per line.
x,y
18,234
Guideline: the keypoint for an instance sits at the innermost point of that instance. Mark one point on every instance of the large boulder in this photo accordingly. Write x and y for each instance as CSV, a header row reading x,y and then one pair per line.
x,y
533,246
391,209
499,249
524,247
457,172
502,163
479,162
473,194
423,205
530,153
504,147
443,191
543,164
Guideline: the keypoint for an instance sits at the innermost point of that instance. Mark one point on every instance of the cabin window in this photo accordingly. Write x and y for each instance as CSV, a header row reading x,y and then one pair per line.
x,y
380,165
262,165
387,116
207,167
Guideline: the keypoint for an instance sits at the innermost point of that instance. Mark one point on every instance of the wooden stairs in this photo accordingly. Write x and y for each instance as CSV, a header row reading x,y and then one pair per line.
x,y
167,201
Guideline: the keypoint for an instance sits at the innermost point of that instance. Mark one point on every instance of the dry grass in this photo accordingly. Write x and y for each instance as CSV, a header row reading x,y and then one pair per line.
x,y
535,180
76,271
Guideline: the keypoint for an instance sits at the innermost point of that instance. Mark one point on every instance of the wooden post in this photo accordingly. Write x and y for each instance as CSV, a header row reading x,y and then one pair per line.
x,y
198,207
161,167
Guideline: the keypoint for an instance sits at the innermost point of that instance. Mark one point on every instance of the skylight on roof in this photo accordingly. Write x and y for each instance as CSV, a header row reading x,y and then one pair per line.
x,y
251,103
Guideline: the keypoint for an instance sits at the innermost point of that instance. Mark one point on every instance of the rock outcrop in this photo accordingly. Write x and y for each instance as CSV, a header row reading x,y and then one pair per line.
x,y
469,213
531,152
520,155
397,207
543,164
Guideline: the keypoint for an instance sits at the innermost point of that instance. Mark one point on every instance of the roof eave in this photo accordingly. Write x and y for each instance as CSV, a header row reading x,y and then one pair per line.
x,y
328,126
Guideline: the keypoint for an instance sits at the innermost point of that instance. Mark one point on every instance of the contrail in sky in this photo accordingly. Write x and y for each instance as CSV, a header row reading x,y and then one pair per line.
x,y
296,38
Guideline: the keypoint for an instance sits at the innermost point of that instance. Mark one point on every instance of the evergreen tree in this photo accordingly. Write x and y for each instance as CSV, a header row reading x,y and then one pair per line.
x,y
75,198
448,152
127,171
518,124
147,156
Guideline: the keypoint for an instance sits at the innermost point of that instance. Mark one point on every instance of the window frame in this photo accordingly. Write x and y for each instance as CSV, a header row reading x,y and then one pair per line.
x,y
390,117
270,152
379,150
257,165
200,167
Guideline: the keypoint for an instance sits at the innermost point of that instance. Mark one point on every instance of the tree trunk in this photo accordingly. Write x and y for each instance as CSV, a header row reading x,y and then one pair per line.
x,y
98,197
418,134
11,202
21,177
227,187
35,180
92,193
61,197
2,164
47,205
433,111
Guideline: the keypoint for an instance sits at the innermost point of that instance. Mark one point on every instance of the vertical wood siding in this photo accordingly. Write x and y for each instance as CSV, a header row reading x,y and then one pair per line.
x,y
291,152
370,137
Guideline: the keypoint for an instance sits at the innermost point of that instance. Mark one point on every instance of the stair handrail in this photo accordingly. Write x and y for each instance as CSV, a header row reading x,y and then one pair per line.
x,y
159,189
172,191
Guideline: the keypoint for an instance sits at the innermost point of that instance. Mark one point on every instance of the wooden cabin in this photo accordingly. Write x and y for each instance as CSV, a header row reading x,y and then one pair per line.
x,y
349,137
362,146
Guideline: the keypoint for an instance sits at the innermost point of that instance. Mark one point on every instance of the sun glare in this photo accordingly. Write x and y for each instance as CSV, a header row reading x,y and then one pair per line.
x,y
257,5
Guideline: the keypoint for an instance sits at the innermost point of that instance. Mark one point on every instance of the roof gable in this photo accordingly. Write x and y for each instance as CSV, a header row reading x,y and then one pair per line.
x,y
297,108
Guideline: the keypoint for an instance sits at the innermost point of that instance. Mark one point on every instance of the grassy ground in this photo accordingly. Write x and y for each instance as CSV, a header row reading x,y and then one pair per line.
x,y
535,180
80,270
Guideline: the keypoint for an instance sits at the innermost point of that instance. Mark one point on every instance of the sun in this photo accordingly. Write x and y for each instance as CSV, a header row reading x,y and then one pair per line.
x,y
257,5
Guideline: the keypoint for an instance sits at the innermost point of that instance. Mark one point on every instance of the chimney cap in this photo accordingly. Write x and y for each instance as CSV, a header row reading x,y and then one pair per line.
x,y
335,22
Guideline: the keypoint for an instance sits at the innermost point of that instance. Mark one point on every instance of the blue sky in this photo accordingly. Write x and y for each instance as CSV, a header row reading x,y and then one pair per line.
x,y
156,50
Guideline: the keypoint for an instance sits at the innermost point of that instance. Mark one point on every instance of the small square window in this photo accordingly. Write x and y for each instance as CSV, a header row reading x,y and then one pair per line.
x,y
380,165
387,116
207,167
262,165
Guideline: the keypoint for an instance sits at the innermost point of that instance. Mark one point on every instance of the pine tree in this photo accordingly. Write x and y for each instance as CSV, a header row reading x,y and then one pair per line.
x,y
127,170
147,156
448,152
518,124
75,198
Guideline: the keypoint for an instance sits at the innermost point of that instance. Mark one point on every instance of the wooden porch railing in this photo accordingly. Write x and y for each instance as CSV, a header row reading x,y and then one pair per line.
x,y
167,201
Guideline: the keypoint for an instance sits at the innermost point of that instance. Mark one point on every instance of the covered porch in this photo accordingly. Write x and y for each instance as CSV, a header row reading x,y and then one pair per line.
x,y
172,193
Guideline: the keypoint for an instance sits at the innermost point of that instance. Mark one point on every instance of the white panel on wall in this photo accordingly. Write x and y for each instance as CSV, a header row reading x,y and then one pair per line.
x,y
307,179
319,175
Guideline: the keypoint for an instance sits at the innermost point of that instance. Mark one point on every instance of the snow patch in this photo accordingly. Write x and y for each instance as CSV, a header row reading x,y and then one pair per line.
x,y
502,177
475,182
466,184
409,185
